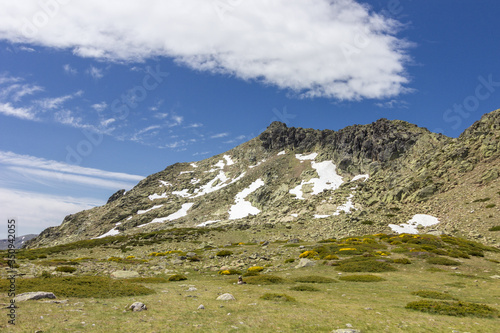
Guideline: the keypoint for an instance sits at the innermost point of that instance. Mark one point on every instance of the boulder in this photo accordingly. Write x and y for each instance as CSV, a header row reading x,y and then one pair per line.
x,y
226,297
137,306
304,262
34,295
124,274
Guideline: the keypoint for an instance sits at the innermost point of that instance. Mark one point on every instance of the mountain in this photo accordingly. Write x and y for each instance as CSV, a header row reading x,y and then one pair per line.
x,y
19,242
308,184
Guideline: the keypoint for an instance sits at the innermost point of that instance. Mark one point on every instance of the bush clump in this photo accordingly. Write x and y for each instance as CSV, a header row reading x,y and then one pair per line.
x,y
361,278
495,228
364,265
66,269
304,287
313,279
458,309
289,260
255,269
442,261
331,257
177,277
433,294
265,279
148,280
79,286
223,253
404,261
230,272
309,254
277,297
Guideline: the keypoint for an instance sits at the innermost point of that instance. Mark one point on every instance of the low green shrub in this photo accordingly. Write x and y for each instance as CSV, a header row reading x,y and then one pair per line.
x,y
277,297
79,286
369,265
313,279
482,200
433,294
289,260
265,279
224,253
331,257
361,278
495,228
458,309
304,287
177,277
66,269
490,205
230,272
148,280
442,261
404,261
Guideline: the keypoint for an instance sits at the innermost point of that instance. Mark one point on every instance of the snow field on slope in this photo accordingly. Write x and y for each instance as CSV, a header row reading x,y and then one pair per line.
x,y
411,226
243,208
328,179
149,209
174,216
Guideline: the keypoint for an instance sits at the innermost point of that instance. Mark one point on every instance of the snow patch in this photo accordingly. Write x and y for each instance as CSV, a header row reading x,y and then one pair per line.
x,y
328,179
204,224
163,183
282,153
174,216
156,196
365,177
316,216
256,165
148,210
295,215
228,159
347,207
411,226
184,172
112,232
302,157
243,208
184,193
193,165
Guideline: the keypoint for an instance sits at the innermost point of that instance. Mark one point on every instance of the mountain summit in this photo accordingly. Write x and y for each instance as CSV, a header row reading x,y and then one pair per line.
x,y
387,176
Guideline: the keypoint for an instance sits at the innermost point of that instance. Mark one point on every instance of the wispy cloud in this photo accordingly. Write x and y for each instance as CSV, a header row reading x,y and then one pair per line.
x,y
52,103
16,91
393,104
219,135
69,70
22,113
100,107
38,211
338,49
95,73
194,125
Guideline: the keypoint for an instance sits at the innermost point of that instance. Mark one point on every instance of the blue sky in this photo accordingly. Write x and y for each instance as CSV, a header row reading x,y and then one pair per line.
x,y
96,95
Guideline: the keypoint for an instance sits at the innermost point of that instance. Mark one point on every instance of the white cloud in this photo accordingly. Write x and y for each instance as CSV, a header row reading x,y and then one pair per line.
x,y
17,91
53,102
36,211
219,135
27,49
393,104
194,125
27,161
69,70
95,73
23,113
99,107
323,48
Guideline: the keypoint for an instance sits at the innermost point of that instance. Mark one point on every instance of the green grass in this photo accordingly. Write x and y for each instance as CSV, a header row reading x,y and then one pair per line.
x,y
66,269
442,261
361,278
177,277
495,228
313,279
457,309
277,297
433,294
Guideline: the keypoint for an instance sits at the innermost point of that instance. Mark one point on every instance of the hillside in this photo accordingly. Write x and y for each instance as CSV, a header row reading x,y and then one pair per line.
x,y
305,183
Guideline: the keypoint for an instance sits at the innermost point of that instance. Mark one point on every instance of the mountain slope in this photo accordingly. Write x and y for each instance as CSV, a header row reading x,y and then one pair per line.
x,y
307,183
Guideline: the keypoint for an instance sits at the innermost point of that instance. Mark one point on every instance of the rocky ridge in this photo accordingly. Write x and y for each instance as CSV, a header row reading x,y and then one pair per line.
x,y
388,171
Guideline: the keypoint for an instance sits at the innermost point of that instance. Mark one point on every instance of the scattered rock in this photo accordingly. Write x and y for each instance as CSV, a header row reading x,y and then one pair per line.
x,y
304,262
226,297
137,306
201,307
124,274
346,330
34,295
